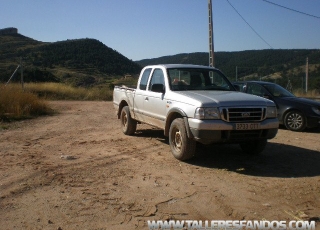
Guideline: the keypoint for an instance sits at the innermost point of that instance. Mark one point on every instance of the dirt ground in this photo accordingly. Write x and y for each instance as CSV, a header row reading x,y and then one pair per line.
x,y
77,170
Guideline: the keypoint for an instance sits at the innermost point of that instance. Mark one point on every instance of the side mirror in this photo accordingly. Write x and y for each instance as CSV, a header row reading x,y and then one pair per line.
x,y
267,96
159,88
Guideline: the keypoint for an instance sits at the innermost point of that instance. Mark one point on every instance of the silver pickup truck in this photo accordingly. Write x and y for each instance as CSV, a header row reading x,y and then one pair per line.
x,y
192,104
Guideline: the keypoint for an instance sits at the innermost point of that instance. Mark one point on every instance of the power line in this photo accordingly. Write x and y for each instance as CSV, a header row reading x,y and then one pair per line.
x,y
250,25
297,11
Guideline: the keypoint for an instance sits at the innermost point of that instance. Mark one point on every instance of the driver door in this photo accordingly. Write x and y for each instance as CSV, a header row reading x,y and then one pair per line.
x,y
155,103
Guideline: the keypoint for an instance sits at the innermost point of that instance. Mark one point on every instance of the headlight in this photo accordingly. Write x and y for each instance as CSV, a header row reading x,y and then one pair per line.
x,y
271,112
316,110
207,113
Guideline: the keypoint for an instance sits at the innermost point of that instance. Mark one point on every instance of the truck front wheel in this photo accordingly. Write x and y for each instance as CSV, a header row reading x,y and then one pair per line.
x,y
181,146
128,125
253,147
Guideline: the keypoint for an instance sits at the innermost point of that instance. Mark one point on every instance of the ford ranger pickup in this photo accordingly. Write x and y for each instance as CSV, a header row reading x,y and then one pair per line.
x,y
193,104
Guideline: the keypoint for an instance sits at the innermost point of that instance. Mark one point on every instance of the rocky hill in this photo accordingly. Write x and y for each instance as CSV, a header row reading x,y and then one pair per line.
x,y
85,62
79,62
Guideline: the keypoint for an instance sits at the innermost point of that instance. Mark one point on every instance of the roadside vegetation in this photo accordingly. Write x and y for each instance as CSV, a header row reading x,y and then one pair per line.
x,y
60,91
32,101
313,94
16,104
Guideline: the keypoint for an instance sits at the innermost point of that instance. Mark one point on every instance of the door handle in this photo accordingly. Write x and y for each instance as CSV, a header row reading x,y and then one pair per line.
x,y
147,99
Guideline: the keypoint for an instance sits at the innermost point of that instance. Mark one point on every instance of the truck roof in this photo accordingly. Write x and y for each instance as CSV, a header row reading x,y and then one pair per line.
x,y
167,66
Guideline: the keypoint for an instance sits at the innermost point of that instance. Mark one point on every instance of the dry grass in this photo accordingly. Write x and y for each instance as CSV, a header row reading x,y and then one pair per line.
x,y
58,91
310,94
18,104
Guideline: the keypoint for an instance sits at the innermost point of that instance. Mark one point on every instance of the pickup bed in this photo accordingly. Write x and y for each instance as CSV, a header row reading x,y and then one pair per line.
x,y
192,104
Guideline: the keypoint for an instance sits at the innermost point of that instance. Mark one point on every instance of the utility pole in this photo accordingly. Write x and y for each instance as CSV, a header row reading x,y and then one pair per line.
x,y
307,70
211,43
289,86
236,73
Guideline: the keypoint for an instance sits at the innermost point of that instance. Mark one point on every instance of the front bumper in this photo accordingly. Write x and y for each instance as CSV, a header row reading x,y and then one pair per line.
x,y
218,131
313,122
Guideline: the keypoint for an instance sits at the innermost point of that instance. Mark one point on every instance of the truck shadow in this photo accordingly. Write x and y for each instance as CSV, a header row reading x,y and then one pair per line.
x,y
307,130
277,160
152,133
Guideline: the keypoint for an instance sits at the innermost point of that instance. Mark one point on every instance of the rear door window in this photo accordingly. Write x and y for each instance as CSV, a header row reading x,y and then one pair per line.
x,y
144,79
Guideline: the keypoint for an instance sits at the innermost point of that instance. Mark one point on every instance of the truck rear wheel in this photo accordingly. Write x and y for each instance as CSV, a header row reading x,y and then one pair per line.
x,y
253,147
128,125
181,146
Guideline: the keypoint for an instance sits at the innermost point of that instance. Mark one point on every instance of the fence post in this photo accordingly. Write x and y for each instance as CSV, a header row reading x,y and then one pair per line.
x,y
12,75
22,83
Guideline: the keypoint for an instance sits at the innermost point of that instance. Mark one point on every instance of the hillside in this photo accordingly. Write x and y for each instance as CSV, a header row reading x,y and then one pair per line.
x,y
85,62
268,65
79,62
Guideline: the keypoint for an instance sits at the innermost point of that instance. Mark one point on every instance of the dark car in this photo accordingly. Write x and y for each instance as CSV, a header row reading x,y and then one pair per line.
x,y
294,112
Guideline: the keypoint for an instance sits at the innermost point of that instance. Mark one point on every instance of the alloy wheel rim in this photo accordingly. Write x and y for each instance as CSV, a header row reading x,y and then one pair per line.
x,y
295,121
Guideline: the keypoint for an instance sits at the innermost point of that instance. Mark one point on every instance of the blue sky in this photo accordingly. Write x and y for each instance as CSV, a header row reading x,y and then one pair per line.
x,y
140,29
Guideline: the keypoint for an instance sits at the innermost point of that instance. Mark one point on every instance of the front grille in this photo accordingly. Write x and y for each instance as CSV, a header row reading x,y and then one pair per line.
x,y
246,114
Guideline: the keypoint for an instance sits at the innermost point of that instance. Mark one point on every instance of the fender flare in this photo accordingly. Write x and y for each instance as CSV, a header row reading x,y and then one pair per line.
x,y
173,114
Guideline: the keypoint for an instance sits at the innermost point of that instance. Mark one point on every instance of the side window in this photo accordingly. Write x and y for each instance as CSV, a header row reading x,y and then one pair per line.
x,y
242,87
256,89
157,78
144,79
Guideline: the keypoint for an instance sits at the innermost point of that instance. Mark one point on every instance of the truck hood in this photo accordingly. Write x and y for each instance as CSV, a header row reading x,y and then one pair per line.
x,y
211,98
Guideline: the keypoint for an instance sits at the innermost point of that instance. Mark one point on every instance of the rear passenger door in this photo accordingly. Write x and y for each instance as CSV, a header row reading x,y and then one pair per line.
x,y
140,95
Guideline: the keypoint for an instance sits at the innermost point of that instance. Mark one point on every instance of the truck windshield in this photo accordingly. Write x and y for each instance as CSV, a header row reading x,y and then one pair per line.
x,y
198,79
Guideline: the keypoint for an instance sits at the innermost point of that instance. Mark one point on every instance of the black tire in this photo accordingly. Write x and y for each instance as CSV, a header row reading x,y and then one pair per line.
x,y
295,121
128,125
181,146
253,147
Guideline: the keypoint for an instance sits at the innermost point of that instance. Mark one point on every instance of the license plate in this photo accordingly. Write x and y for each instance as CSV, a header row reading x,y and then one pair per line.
x,y
247,126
